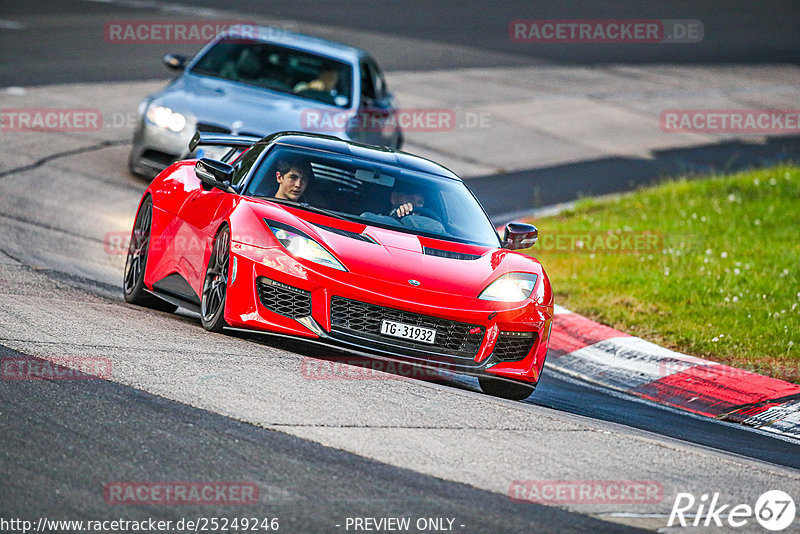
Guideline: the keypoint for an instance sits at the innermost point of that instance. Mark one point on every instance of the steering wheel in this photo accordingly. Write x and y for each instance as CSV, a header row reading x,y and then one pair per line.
x,y
422,212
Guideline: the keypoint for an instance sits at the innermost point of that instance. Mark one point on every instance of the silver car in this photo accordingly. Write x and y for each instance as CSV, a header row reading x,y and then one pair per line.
x,y
256,80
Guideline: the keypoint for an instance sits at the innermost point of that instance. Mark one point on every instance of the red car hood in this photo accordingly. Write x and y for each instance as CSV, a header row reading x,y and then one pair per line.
x,y
398,257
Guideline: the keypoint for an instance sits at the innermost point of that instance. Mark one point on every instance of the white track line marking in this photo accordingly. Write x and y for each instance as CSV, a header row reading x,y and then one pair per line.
x,y
11,25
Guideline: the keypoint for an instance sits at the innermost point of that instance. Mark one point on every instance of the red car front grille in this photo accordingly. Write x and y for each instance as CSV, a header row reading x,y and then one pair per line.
x,y
514,346
364,320
283,299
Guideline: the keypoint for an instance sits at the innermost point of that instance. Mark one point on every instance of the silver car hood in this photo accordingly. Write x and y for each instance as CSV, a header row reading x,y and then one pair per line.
x,y
223,103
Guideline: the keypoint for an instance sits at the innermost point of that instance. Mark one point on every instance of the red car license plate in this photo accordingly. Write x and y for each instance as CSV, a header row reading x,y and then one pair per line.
x,y
408,331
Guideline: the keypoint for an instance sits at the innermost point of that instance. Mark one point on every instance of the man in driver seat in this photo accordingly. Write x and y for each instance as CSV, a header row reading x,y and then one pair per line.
x,y
326,81
404,199
293,176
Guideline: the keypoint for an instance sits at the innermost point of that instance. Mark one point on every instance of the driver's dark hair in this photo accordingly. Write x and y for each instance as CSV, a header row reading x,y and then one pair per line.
x,y
409,188
406,188
284,165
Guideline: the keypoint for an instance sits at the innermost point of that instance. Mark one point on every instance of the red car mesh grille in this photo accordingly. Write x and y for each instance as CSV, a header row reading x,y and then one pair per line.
x,y
452,337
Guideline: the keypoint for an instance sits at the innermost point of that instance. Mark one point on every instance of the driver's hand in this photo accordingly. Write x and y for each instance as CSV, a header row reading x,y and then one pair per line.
x,y
404,209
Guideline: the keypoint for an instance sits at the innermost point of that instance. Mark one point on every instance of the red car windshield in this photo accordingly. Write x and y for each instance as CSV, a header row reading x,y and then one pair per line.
x,y
374,193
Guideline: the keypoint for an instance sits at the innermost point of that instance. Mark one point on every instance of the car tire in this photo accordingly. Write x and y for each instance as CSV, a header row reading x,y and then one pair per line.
x,y
505,388
133,287
215,285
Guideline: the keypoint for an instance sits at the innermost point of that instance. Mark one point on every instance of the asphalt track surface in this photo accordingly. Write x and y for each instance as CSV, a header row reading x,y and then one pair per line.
x,y
62,440
310,488
59,40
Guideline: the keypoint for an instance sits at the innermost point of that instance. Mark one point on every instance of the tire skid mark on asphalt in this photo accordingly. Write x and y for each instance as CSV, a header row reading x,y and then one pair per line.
x,y
135,184
65,154
49,227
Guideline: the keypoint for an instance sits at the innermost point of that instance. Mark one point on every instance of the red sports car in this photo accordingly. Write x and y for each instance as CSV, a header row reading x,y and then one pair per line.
x,y
358,247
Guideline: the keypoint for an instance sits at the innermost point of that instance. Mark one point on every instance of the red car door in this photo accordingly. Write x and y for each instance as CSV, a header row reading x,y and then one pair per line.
x,y
200,218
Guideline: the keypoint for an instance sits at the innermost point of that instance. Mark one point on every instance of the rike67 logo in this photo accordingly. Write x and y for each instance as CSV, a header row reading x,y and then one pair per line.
x,y
774,510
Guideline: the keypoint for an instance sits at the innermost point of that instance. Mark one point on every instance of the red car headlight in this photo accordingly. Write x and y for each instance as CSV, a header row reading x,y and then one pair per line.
x,y
302,246
511,287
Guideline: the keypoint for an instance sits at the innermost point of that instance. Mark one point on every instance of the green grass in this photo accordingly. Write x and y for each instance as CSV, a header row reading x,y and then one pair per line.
x,y
722,282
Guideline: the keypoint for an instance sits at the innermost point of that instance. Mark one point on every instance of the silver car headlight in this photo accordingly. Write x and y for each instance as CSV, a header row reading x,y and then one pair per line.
x,y
302,246
511,287
164,117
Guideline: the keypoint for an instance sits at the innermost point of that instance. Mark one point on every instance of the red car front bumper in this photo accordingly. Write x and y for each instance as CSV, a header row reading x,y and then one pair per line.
x,y
269,290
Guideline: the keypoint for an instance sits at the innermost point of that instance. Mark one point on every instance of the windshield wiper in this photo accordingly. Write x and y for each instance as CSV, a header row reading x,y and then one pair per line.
x,y
210,73
309,207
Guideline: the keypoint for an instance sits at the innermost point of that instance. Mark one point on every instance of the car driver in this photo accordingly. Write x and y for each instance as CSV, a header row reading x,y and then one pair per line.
x,y
293,177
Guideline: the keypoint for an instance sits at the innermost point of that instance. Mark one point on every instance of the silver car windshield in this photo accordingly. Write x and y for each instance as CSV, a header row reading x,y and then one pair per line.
x,y
280,69
370,192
